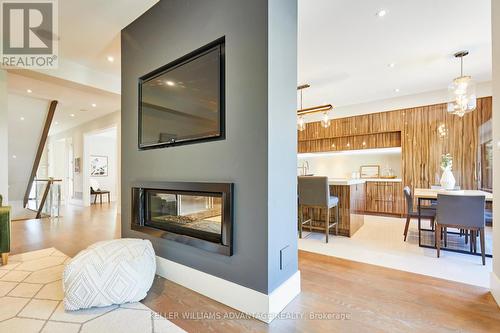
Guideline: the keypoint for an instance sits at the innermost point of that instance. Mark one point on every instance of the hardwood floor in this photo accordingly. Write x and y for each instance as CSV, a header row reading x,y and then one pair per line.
x,y
370,298
78,228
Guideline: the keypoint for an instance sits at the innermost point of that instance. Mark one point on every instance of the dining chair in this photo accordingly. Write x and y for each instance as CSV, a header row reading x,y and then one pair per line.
x,y
461,212
427,212
488,216
314,192
95,190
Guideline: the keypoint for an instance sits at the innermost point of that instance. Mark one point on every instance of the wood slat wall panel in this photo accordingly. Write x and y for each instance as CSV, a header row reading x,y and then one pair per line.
x,y
385,121
430,132
379,140
384,197
358,125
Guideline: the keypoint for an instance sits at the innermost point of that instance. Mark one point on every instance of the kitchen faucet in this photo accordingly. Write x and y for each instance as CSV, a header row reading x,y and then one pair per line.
x,y
304,168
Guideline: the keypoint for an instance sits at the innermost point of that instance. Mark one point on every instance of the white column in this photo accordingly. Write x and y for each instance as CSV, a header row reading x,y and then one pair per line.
x,y
495,275
4,150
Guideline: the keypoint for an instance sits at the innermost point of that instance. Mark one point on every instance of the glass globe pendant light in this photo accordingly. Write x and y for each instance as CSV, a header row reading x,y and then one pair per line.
x,y
301,123
461,91
325,120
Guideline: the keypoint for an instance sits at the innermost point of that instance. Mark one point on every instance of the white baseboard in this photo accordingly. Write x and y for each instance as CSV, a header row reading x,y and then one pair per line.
x,y
256,304
495,287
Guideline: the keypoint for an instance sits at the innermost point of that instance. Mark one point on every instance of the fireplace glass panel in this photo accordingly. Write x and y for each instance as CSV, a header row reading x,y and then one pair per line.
x,y
193,214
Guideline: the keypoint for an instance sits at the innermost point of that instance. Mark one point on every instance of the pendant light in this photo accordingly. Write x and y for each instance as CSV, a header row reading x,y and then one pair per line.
x,y
461,91
325,120
301,123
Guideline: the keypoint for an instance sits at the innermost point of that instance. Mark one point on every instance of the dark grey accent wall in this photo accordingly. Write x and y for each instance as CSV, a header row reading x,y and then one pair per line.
x,y
171,29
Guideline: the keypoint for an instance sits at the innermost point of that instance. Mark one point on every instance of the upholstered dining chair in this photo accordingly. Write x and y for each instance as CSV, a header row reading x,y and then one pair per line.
x,y
461,212
428,213
314,192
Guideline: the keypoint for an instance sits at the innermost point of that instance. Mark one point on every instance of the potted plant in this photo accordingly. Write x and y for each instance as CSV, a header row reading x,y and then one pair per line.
x,y
447,178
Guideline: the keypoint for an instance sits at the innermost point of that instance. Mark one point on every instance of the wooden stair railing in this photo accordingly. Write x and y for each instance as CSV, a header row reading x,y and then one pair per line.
x,y
39,152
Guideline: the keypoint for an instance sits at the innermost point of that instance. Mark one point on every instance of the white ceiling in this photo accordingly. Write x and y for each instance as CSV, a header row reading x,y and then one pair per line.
x,y
73,99
89,30
345,49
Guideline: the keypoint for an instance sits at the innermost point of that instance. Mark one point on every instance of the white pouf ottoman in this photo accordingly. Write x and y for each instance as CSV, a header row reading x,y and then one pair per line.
x,y
110,272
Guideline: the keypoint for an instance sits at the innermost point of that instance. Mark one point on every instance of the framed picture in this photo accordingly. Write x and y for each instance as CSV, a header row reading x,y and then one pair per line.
x,y
77,165
369,171
98,166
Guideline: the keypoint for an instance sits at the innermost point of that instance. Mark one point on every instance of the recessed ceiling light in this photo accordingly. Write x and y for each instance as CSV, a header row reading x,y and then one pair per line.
x,y
14,156
29,91
56,123
94,105
111,59
396,90
392,65
72,115
170,83
22,118
381,13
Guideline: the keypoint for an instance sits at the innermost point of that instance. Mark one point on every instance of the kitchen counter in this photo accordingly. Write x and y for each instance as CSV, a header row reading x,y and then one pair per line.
x,y
389,180
348,181
345,181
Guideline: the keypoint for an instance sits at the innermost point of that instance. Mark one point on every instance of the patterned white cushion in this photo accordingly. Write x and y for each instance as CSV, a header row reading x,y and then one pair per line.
x,y
109,272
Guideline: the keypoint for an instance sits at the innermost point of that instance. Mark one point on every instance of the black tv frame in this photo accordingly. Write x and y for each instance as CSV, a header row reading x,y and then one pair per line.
x,y
221,42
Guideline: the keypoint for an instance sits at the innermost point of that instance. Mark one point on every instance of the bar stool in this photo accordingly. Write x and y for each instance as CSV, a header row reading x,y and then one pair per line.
x,y
314,192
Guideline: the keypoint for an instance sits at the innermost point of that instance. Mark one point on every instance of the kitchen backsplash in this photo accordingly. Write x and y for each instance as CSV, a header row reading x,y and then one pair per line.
x,y
342,166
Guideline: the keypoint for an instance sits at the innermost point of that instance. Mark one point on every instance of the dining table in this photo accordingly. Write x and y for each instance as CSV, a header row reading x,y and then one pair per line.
x,y
427,194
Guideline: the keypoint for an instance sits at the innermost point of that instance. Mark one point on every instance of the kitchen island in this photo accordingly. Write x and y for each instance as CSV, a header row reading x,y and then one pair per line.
x,y
351,194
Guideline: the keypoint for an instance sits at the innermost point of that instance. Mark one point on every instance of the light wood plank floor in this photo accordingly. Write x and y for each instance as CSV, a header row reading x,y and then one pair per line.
x,y
371,298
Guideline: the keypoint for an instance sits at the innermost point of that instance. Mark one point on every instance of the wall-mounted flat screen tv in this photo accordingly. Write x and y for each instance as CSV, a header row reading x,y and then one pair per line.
x,y
183,101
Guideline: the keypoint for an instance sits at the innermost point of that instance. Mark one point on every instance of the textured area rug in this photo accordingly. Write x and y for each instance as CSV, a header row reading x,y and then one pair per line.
x,y
31,301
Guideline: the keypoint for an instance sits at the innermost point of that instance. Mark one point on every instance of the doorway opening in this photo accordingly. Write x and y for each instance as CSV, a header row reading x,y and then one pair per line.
x,y
100,167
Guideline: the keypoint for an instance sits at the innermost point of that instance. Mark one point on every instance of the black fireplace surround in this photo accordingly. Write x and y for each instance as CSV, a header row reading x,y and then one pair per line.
x,y
196,214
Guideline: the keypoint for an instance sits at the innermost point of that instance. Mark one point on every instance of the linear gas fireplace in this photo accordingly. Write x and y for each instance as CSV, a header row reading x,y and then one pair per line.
x,y
197,214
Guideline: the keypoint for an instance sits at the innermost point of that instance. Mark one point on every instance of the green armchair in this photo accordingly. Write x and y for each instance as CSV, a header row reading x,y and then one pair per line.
x,y
4,232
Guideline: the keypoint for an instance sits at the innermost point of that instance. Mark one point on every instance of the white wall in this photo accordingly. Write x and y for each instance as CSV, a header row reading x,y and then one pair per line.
x,y
57,166
105,145
495,276
4,150
77,136
24,137
342,165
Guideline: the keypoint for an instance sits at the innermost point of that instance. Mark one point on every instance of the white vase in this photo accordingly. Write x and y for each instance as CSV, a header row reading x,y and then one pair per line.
x,y
447,179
